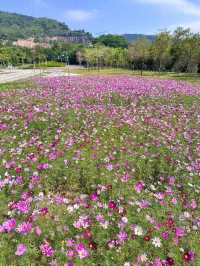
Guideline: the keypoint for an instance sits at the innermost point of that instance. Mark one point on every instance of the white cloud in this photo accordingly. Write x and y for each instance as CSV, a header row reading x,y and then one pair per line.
x,y
182,6
80,14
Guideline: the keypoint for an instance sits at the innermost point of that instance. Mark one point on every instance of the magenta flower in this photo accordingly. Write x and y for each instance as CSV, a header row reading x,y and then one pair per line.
x,y
82,251
24,228
21,249
112,205
69,264
125,177
94,196
22,206
122,236
44,211
3,126
70,253
139,186
165,235
171,180
46,249
9,225
188,256
70,242
180,232
43,166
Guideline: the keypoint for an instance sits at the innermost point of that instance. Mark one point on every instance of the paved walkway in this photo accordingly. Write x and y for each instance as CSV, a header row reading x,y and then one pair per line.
x,y
7,75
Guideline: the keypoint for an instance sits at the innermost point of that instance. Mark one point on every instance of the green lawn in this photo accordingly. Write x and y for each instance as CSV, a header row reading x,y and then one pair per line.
x,y
190,77
22,84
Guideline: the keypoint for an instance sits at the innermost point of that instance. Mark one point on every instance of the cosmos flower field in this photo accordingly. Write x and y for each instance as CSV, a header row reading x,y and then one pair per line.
x,y
100,171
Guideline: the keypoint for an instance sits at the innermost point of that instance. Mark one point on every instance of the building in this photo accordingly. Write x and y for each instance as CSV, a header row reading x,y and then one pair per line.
x,y
30,43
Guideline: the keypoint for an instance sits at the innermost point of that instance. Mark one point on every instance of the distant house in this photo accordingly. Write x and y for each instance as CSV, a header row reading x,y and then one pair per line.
x,y
69,39
30,43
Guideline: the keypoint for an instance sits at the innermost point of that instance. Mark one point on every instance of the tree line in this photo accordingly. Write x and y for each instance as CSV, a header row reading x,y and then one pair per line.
x,y
178,51
59,52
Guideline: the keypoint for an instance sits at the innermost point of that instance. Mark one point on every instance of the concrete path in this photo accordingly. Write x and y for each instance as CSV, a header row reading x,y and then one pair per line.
x,y
7,75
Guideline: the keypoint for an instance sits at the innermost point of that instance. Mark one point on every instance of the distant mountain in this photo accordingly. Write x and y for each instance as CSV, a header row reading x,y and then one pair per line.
x,y
134,37
15,26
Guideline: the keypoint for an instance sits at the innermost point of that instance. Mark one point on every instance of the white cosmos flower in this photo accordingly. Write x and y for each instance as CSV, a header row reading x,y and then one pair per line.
x,y
143,257
138,230
70,209
125,220
156,242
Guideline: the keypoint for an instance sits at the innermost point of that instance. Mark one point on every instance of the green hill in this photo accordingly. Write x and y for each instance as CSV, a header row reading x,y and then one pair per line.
x,y
15,26
134,37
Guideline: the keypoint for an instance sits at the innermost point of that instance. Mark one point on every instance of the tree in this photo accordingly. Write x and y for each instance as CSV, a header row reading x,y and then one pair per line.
x,y
160,50
139,52
185,50
79,57
115,41
4,56
179,47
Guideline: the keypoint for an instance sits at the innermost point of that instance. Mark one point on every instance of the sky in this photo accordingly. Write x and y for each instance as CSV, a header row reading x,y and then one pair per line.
x,y
113,16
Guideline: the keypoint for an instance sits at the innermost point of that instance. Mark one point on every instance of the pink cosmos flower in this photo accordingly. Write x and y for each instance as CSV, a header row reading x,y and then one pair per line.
x,y
139,186
69,264
174,201
100,218
46,249
70,253
3,126
21,249
22,206
122,236
165,235
180,232
24,228
144,204
43,166
193,204
35,179
125,177
171,180
38,231
9,225
82,251
198,148
52,156
160,195
109,167
54,263
70,242
83,222
94,196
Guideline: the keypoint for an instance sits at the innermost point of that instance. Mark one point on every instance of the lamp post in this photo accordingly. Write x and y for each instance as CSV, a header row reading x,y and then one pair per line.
x,y
68,68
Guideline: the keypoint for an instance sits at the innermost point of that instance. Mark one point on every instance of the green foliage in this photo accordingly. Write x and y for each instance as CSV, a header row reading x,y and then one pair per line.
x,y
134,37
112,41
14,26
100,56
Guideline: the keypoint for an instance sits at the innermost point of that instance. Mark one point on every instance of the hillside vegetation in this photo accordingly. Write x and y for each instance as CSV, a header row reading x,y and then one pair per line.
x,y
14,26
